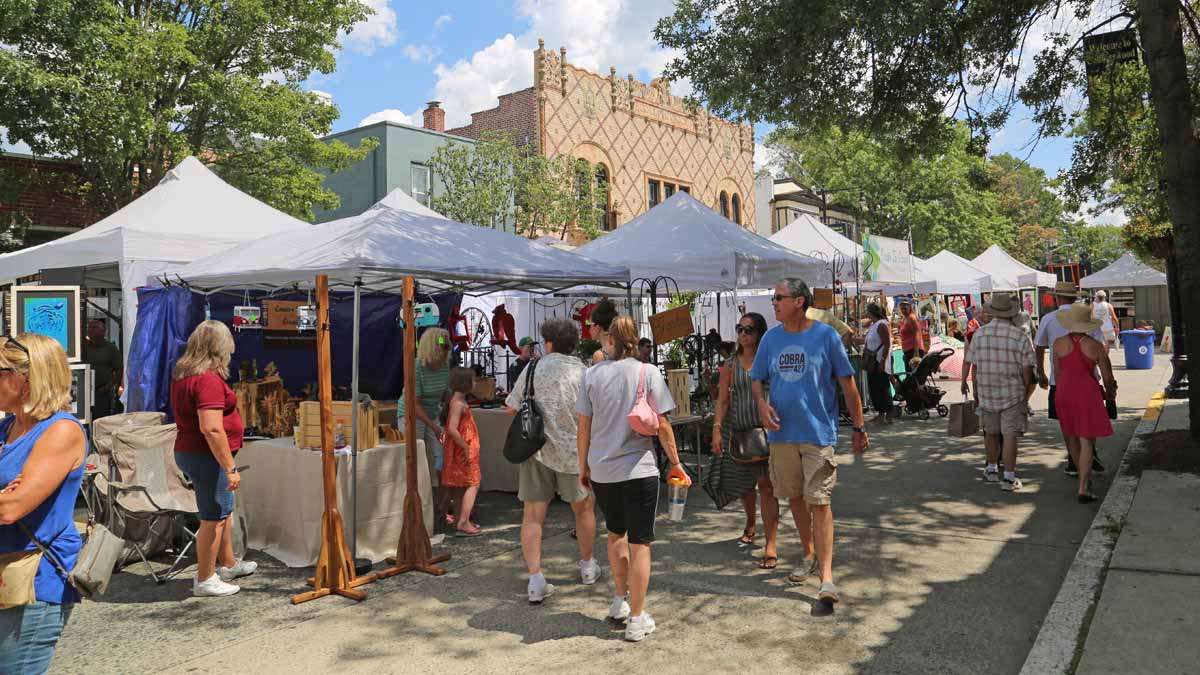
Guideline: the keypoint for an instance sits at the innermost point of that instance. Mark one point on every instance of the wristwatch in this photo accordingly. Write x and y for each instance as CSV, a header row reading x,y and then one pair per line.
x,y
858,430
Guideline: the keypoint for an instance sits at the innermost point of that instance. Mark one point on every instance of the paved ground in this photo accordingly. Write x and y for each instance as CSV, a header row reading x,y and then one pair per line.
x,y
1145,619
939,573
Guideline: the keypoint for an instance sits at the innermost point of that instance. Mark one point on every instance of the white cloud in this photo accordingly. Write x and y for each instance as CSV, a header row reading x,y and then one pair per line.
x,y
442,21
323,95
597,34
768,159
392,115
418,53
378,30
1106,217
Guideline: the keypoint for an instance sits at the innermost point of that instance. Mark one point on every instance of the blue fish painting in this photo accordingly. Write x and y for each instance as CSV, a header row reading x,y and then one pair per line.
x,y
49,317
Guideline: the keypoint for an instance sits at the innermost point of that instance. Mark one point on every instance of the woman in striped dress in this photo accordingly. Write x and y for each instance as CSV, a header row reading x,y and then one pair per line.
x,y
735,405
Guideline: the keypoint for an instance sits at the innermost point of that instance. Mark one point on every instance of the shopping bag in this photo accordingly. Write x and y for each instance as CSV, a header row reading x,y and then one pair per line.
x,y
963,419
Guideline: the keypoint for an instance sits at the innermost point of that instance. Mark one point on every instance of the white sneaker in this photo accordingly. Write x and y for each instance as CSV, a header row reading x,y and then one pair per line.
x,y
619,609
539,592
639,627
213,587
242,568
589,571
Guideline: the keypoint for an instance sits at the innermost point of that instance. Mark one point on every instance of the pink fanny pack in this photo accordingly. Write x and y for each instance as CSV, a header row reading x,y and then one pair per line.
x,y
642,418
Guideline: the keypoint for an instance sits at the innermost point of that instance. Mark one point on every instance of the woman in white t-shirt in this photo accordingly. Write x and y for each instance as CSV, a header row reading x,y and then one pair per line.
x,y
621,467
1103,312
878,345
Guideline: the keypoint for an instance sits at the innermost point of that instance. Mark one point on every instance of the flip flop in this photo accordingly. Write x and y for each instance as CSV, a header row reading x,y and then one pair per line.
x,y
747,538
468,533
1086,498
768,562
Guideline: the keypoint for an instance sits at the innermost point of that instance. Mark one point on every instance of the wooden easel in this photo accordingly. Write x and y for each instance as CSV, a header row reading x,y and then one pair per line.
x,y
335,568
413,552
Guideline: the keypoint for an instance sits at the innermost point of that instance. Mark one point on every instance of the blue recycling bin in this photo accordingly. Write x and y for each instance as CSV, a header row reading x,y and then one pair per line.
x,y
1139,349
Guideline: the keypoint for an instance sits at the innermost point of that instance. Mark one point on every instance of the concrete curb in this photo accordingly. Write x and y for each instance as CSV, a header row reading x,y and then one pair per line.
x,y
1062,629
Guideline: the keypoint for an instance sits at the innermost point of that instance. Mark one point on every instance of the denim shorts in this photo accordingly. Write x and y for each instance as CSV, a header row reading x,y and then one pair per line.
x,y
214,501
29,634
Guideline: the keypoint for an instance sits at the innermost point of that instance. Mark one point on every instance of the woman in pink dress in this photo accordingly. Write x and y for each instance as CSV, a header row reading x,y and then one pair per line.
x,y
1081,403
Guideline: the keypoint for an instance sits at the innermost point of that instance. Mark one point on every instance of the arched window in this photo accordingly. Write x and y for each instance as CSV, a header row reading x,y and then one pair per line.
x,y
604,199
737,209
724,204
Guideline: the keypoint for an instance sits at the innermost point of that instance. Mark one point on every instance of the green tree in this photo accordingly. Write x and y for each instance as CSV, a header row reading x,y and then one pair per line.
x,y
128,88
495,182
943,196
898,68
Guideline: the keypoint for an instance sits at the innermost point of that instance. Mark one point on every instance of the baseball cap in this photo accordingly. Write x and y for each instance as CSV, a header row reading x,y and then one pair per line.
x,y
526,341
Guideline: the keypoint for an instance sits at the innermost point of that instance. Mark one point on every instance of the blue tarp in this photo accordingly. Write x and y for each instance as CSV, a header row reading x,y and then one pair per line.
x,y
166,317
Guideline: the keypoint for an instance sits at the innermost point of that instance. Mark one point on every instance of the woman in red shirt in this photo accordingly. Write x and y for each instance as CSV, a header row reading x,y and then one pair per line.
x,y
209,433
910,336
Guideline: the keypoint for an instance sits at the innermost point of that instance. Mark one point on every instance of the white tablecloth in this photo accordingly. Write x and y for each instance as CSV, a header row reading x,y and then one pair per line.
x,y
282,499
498,474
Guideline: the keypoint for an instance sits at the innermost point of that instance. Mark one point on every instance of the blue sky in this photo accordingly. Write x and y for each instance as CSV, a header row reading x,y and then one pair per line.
x,y
467,52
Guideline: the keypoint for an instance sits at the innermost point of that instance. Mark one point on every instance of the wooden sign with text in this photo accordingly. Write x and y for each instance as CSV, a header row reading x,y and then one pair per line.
x,y
672,324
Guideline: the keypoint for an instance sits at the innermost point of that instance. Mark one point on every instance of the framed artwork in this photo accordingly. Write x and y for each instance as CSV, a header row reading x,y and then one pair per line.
x,y
52,311
82,386
1029,302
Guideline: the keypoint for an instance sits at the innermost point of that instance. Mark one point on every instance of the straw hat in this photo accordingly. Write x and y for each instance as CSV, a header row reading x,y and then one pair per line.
x,y
1066,289
1077,318
1003,306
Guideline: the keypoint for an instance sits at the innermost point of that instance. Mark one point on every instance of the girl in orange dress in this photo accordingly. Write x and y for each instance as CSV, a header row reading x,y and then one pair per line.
x,y
460,471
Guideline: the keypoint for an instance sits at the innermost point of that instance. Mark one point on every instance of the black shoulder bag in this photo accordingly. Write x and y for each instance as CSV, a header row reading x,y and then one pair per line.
x,y
527,433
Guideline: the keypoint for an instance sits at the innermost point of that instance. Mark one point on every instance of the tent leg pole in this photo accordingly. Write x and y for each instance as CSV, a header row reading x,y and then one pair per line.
x,y
354,431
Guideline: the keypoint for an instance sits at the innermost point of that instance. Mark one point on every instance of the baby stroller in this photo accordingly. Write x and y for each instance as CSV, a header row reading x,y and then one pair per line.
x,y
914,390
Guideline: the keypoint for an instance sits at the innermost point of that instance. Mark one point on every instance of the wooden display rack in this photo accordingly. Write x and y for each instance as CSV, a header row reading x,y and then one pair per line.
x,y
413,552
335,567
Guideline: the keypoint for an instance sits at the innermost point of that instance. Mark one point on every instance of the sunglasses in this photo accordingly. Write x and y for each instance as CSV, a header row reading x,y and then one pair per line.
x,y
781,298
13,341
745,330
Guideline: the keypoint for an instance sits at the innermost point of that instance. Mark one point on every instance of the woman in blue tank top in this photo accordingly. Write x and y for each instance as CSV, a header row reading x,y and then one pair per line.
x,y
41,466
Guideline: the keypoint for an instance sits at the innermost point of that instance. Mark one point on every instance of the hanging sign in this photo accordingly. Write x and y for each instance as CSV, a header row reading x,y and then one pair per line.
x,y
886,259
281,314
672,324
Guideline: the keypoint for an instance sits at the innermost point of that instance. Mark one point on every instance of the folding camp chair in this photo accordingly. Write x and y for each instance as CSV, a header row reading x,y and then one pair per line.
x,y
151,504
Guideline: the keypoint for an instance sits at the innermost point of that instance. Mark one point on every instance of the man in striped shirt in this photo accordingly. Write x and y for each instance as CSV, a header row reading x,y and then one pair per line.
x,y
1003,358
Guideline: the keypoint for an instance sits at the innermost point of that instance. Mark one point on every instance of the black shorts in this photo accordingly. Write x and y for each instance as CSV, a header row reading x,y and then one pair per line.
x,y
629,507
1051,411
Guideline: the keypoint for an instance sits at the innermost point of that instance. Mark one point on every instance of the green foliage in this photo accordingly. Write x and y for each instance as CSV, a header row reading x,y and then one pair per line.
x,y
496,182
942,195
130,88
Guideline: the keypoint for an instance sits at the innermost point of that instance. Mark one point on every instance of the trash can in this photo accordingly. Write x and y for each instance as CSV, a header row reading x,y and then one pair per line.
x,y
1139,349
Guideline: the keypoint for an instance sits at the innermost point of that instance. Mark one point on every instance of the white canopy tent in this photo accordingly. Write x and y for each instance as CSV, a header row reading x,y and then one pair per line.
x,y
954,274
401,201
191,213
1010,274
383,244
701,250
1126,272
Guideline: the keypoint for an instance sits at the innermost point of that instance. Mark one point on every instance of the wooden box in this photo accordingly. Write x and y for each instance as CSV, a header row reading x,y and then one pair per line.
x,y
310,424
485,388
677,383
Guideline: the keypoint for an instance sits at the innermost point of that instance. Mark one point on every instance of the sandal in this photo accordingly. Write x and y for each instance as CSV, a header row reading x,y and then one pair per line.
x,y
747,538
768,562
468,532
1086,498
450,520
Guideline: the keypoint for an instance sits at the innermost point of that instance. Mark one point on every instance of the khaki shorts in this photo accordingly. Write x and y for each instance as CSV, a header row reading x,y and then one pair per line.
x,y
1007,422
538,483
803,470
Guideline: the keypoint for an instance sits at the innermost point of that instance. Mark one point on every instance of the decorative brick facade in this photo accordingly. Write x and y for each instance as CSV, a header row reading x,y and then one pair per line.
x,y
639,132
40,190
516,114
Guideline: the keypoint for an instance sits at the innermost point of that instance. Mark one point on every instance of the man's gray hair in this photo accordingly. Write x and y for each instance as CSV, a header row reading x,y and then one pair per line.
x,y
798,288
563,334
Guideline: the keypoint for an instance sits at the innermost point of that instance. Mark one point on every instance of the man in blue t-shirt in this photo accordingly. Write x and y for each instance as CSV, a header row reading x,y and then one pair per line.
x,y
801,359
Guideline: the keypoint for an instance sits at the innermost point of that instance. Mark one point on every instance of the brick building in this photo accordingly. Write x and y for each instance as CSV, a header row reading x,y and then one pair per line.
x,y
36,195
646,142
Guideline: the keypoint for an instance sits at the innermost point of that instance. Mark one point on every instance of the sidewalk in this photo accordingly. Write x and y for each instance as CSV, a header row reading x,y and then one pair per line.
x,y
1145,619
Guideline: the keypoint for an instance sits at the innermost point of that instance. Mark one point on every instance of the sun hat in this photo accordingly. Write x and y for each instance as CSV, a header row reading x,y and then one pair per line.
x,y
1077,318
1003,306
1066,289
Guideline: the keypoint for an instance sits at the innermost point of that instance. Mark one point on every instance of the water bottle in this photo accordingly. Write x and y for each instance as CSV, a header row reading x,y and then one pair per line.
x,y
339,437
677,491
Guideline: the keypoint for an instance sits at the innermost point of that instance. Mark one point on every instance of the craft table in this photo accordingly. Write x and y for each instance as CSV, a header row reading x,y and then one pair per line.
x,y
282,499
498,474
